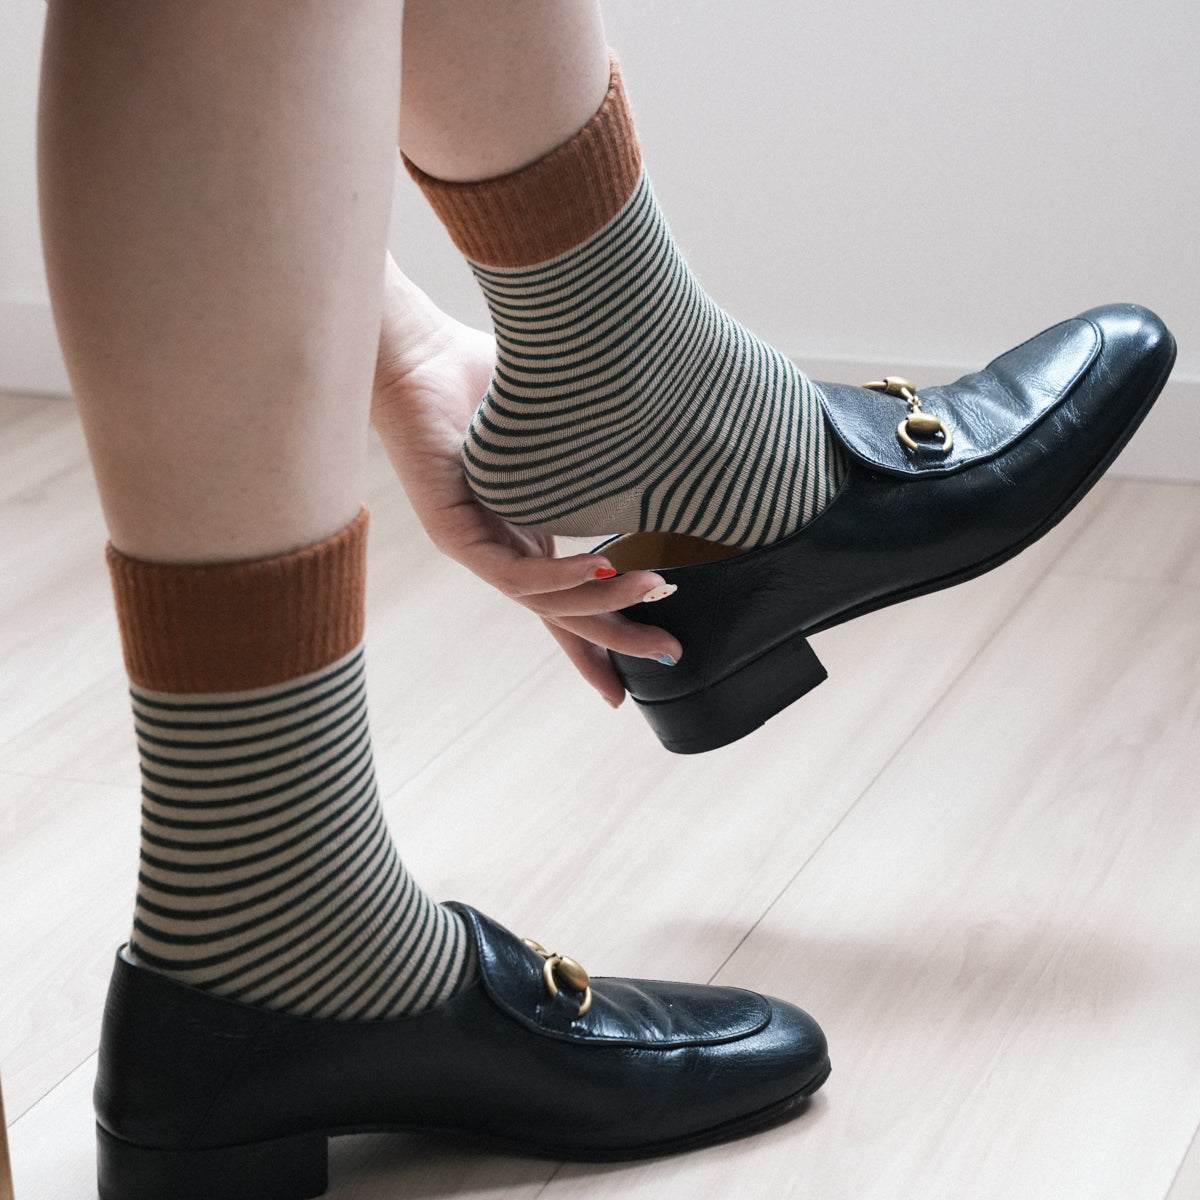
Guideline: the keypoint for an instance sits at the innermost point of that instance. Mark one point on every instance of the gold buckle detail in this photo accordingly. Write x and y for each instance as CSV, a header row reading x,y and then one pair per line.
x,y
918,423
568,971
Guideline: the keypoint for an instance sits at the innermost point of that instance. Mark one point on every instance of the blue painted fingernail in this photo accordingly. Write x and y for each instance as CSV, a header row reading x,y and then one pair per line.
x,y
667,660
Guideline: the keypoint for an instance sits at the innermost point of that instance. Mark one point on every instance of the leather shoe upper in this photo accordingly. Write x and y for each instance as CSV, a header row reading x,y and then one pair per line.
x,y
986,412
1031,433
626,1012
650,1068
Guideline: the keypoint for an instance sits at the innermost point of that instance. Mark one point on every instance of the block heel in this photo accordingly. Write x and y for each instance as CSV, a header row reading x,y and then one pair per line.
x,y
288,1168
732,707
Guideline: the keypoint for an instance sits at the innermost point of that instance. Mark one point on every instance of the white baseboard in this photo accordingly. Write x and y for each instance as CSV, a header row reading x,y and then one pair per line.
x,y
30,360
1167,447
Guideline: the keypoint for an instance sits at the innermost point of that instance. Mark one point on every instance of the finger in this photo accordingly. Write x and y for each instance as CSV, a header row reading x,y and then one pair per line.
x,y
602,596
591,662
527,575
580,585
611,631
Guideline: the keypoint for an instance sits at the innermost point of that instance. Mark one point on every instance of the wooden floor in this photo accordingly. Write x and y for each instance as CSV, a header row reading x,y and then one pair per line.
x,y
973,854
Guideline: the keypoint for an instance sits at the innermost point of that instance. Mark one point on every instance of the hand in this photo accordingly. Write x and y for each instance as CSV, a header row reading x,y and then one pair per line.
x,y
431,374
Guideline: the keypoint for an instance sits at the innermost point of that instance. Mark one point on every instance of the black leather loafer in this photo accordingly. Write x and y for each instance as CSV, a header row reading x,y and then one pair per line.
x,y
943,484
199,1098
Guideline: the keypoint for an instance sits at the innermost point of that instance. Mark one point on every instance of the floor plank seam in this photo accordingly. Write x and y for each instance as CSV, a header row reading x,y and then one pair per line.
x,y
553,1176
932,708
416,773
58,777
30,1107
1192,1148
1104,577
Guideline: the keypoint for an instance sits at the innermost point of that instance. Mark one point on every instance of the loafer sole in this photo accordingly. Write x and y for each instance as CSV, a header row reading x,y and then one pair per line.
x,y
296,1167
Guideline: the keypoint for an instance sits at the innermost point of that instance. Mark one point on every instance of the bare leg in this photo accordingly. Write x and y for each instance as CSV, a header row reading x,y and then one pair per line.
x,y
216,183
490,87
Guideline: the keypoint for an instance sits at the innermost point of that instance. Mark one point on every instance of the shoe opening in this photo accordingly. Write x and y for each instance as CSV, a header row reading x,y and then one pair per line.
x,y
658,551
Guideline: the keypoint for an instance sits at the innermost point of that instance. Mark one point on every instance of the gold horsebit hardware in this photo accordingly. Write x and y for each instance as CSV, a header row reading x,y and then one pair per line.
x,y
918,423
566,969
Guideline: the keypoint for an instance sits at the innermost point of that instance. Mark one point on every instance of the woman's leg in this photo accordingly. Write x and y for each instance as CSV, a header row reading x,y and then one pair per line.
x,y
215,186
216,180
216,183
624,397
489,88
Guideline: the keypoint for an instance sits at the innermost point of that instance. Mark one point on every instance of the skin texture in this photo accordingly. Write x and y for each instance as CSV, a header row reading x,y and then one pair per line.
x,y
216,185
490,87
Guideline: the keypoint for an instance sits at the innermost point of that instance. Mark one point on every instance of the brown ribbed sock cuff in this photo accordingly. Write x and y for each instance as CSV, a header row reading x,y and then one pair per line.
x,y
229,627
552,205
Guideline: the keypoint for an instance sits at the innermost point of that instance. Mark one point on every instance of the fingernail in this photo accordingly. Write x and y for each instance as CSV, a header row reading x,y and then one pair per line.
x,y
605,572
612,703
667,660
660,593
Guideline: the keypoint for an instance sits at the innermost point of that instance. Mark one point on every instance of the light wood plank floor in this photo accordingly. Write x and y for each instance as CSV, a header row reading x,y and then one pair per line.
x,y
973,854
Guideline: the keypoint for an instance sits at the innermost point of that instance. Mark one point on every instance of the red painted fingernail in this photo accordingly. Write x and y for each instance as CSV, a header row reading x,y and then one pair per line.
x,y
605,572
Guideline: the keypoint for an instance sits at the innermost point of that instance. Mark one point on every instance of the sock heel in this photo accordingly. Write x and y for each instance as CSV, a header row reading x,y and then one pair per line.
x,y
734,706
288,1168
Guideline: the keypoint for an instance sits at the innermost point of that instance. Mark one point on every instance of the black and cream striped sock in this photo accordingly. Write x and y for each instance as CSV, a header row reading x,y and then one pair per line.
x,y
624,397
267,872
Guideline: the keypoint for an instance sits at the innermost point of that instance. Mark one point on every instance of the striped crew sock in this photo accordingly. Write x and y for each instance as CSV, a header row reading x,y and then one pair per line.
x,y
624,398
267,871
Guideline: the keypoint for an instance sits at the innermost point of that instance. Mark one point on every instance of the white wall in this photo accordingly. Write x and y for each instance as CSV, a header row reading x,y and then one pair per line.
x,y
29,359
916,185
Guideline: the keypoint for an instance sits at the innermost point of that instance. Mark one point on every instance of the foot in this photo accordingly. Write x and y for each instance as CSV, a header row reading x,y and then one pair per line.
x,y
626,400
